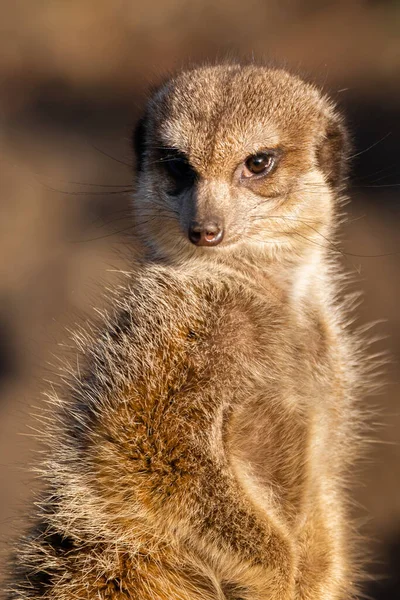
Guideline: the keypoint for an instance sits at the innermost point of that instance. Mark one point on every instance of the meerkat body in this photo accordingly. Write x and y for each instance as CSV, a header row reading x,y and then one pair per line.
x,y
201,451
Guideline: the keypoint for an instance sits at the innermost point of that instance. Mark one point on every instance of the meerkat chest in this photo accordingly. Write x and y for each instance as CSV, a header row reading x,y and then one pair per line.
x,y
272,433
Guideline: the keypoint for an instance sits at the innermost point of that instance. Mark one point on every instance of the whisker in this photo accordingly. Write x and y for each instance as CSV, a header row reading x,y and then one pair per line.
x,y
370,147
107,235
172,148
387,170
77,193
331,245
112,157
126,213
294,219
382,185
105,185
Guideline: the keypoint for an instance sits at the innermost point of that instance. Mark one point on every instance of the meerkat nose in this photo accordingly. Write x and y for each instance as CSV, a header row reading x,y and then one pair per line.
x,y
205,234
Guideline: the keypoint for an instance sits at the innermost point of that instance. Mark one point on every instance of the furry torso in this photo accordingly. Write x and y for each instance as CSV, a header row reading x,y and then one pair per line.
x,y
200,450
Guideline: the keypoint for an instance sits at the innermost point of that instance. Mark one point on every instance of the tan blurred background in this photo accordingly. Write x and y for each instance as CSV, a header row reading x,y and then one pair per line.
x,y
73,79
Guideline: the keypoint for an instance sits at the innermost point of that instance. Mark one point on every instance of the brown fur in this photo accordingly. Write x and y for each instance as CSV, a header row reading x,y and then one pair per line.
x,y
202,451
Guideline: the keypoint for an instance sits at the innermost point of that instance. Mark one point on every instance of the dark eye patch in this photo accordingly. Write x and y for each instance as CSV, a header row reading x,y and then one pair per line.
x,y
178,168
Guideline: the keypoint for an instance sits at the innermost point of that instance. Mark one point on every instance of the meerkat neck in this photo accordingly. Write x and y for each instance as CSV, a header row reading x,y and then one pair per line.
x,y
294,279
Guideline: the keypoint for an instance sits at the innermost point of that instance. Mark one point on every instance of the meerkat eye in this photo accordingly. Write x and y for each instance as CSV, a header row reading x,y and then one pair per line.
x,y
261,163
179,169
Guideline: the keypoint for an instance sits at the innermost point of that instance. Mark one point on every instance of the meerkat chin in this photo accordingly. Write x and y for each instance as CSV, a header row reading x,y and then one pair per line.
x,y
203,450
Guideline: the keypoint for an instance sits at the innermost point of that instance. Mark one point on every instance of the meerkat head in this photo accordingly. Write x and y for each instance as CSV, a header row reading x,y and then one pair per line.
x,y
238,159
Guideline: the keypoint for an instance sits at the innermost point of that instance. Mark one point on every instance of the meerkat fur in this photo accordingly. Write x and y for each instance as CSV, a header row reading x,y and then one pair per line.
x,y
203,448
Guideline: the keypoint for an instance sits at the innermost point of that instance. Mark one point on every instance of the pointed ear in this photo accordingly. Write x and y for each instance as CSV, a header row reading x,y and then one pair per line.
x,y
138,142
333,152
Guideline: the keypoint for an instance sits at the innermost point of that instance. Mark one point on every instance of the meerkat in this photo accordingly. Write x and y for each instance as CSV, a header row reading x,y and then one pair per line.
x,y
202,449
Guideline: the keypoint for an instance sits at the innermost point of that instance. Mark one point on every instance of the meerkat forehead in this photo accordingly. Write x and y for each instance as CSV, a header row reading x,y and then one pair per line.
x,y
221,113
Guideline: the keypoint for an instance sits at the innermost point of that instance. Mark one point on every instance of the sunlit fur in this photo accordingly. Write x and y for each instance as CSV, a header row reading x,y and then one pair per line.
x,y
201,451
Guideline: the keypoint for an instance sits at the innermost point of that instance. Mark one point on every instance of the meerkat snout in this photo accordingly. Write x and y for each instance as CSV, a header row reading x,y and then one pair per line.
x,y
206,234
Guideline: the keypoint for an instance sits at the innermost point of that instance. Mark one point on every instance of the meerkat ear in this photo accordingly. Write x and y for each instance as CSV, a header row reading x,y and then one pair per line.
x,y
333,152
138,142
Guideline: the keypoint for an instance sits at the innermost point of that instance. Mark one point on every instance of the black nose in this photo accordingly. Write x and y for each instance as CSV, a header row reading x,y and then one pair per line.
x,y
207,234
